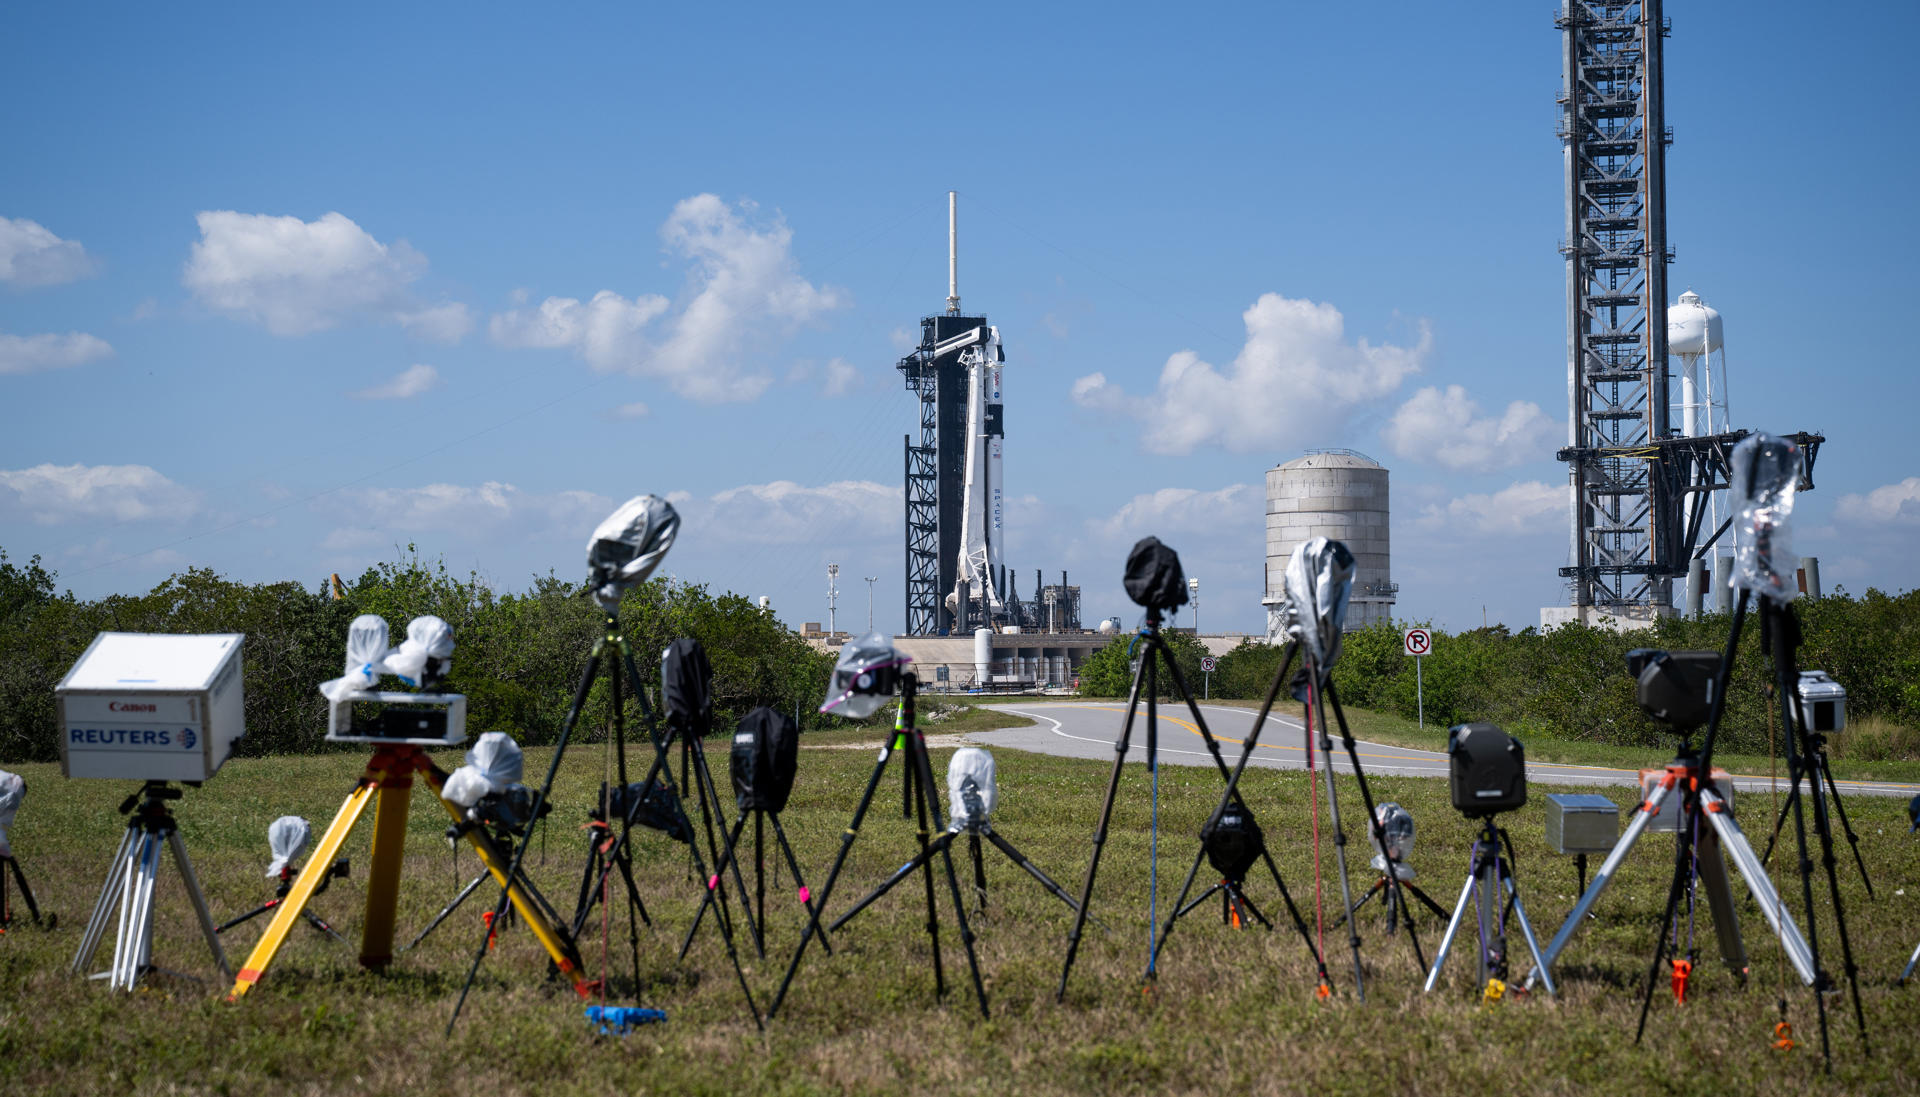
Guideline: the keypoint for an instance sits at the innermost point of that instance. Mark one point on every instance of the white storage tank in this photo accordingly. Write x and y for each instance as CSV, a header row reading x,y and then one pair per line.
x,y
982,653
1342,495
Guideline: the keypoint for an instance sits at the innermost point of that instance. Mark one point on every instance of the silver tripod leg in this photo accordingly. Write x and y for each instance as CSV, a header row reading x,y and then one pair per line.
x,y
1641,817
1911,961
1453,928
103,906
132,948
1771,907
1533,943
207,928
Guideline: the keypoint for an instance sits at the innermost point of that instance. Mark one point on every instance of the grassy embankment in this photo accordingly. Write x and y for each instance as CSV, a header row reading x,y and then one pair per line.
x,y
1232,1012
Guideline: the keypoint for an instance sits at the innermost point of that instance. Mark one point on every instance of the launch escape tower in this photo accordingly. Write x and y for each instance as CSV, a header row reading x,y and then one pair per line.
x,y
1640,488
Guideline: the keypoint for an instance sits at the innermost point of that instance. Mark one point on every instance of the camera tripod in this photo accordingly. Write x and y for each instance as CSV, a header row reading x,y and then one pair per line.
x,y
288,873
728,860
614,649
1393,901
12,866
920,790
1690,777
1815,768
130,882
1146,676
1490,888
388,782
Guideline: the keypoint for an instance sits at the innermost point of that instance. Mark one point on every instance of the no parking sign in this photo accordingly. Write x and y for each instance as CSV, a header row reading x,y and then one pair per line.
x,y
1419,643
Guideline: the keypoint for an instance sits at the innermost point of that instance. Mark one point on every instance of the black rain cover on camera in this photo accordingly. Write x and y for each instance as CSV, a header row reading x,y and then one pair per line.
x,y
686,688
1153,577
652,806
766,750
1676,687
1486,769
1233,841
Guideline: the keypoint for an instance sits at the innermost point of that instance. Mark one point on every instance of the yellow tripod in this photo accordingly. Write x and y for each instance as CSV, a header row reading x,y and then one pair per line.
x,y
389,781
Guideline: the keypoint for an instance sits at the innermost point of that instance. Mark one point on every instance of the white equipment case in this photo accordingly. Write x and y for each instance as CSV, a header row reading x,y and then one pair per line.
x,y
151,707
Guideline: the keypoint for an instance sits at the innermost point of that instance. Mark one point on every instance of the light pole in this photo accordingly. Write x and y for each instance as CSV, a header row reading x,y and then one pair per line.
x,y
1193,595
871,579
833,593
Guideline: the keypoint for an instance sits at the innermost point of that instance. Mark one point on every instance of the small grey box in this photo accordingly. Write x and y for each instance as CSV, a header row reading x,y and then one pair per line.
x,y
1581,823
1823,702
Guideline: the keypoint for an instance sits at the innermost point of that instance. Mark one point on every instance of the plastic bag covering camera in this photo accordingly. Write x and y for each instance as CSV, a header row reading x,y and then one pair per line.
x,y
425,656
494,764
686,688
287,837
970,787
626,547
1765,473
1154,578
1396,823
864,678
366,657
1319,579
13,789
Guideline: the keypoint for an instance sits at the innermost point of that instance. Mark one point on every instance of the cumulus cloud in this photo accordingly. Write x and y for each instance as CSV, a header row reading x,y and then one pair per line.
x,y
297,277
744,291
1292,383
408,383
54,494
32,256
33,353
1523,507
784,512
1446,428
842,377
1171,512
1890,505
490,505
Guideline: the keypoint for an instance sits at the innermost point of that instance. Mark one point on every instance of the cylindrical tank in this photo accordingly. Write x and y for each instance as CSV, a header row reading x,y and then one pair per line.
x,y
1342,495
982,653
1693,327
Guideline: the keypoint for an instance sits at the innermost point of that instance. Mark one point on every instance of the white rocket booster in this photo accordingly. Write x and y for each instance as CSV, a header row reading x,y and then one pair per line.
x,y
983,498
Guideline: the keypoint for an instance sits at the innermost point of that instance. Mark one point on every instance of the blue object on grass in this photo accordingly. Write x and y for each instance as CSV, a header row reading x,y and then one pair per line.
x,y
619,1020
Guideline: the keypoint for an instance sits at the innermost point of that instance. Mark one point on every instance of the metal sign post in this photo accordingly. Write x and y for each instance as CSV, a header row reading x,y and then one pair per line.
x,y
1419,644
1207,663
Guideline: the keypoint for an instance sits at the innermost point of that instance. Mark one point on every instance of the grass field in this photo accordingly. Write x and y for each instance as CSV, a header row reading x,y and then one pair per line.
x,y
1231,1012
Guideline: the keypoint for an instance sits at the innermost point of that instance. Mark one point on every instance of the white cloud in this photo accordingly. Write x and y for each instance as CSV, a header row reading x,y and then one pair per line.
x,y
1524,507
1292,384
408,383
32,256
744,291
1888,505
842,377
1172,513
491,505
1445,427
52,494
297,277
784,512
33,353
636,410
440,324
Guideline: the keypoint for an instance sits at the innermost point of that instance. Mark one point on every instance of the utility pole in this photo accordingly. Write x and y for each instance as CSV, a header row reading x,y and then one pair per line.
x,y
871,579
833,594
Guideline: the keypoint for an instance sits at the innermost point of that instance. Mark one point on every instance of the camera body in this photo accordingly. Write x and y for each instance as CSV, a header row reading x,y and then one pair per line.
x,y
1486,770
1233,842
1675,687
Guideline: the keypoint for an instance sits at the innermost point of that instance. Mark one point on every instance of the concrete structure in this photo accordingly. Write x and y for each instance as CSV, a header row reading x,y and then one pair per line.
x,y
1338,494
1015,661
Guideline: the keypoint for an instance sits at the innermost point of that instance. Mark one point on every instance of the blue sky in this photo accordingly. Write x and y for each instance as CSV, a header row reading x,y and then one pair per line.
x,y
283,290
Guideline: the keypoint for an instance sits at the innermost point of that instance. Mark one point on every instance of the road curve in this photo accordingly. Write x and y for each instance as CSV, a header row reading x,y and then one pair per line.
x,y
1089,729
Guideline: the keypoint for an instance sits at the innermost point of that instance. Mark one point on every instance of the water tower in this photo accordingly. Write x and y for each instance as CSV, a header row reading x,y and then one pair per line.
x,y
1694,336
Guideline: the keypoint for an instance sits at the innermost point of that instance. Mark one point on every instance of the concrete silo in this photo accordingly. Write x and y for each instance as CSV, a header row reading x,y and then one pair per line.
x,y
1339,494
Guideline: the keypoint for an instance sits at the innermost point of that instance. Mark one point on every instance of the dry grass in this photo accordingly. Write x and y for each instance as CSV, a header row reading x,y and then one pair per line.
x,y
1232,1012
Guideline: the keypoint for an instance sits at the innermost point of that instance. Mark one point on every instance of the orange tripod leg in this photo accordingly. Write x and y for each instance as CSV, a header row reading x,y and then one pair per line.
x,y
389,852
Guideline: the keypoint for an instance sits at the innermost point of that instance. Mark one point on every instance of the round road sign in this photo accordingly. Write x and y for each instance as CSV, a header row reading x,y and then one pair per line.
x,y
1419,641
1207,663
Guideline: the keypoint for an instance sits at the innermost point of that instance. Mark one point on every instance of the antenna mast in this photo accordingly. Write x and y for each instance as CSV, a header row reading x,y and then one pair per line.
x,y
953,258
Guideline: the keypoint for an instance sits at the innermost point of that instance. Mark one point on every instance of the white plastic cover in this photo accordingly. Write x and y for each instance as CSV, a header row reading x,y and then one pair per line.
x,y
13,789
970,786
861,683
493,763
287,838
1765,473
366,657
1319,579
427,638
626,547
1397,823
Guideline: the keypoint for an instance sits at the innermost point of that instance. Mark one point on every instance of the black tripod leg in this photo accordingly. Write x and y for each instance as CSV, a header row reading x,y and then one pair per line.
x,y
1100,834
320,924
760,872
917,754
26,892
932,806
1846,825
445,911
1827,858
1793,797
1031,869
979,872
1197,900
1438,911
707,899
1299,923
1247,906
589,893
1180,906
710,791
918,862
1373,819
833,874
799,881
247,917
1378,886
1681,874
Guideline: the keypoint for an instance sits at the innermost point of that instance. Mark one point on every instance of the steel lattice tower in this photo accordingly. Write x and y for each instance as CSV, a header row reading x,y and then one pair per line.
x,y
1614,137
933,470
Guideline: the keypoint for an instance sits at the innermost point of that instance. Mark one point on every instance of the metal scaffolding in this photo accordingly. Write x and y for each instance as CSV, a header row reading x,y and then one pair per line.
x,y
1613,134
933,471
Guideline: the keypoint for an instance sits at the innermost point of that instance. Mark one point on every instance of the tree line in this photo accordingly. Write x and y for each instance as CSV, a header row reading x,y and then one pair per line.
x,y
517,656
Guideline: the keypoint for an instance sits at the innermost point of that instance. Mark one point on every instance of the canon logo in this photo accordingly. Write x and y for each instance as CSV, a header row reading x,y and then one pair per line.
x,y
130,706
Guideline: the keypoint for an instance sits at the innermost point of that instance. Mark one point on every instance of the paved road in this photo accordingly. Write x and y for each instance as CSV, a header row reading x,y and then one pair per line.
x,y
1089,730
